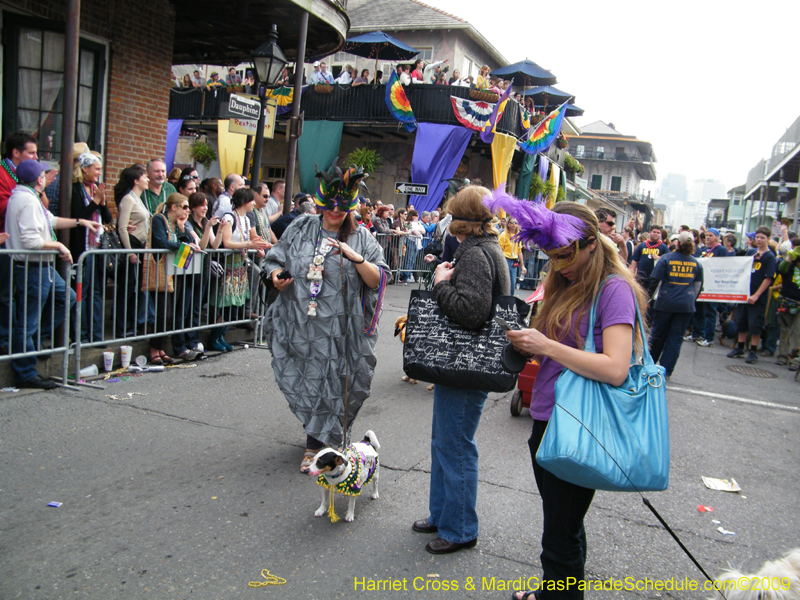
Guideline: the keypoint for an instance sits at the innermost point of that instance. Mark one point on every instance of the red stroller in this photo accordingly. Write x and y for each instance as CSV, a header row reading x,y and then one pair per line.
x,y
522,397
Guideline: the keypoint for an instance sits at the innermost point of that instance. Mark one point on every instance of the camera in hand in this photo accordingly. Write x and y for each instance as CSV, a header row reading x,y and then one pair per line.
x,y
284,274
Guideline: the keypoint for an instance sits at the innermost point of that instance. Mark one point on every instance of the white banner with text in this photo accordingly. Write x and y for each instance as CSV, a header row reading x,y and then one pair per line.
x,y
726,279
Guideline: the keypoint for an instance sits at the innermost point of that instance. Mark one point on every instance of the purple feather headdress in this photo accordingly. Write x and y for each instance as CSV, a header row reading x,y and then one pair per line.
x,y
537,224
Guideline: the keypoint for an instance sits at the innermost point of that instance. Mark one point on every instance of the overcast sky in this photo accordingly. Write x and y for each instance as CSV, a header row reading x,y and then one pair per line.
x,y
712,85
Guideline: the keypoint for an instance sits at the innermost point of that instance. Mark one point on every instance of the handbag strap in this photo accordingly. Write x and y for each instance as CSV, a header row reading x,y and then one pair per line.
x,y
589,343
496,291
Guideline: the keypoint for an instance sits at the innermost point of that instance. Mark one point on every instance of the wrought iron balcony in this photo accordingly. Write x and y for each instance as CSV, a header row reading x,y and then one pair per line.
x,y
593,154
363,104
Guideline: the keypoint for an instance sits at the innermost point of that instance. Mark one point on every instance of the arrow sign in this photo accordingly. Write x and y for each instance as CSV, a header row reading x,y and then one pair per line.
x,y
418,189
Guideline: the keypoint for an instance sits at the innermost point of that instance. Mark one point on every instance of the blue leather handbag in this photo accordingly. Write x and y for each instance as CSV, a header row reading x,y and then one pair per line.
x,y
610,438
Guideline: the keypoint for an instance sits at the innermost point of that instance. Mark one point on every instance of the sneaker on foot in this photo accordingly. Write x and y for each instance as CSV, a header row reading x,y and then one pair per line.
x,y
410,280
792,366
752,357
736,353
766,352
705,343
690,338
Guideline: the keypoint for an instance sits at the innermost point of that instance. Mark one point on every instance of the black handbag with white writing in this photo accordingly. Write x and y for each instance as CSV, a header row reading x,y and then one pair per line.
x,y
439,350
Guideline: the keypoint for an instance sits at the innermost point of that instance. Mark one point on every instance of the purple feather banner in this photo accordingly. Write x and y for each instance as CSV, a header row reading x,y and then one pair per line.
x,y
537,224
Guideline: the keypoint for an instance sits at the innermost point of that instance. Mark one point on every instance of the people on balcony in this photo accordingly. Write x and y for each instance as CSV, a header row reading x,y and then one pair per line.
x,y
89,205
233,78
345,76
324,75
197,81
417,75
315,78
187,82
482,82
405,74
250,83
431,72
214,82
378,80
442,79
362,79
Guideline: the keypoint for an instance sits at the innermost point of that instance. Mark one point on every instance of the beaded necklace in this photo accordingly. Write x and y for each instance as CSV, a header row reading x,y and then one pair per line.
x,y
315,270
91,237
242,223
44,211
10,171
173,236
260,225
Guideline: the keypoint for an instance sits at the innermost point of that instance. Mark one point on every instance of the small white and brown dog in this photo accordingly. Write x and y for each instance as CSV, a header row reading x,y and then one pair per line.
x,y
346,473
777,580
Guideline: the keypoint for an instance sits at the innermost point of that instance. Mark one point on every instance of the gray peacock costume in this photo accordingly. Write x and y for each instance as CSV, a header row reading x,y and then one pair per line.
x,y
320,352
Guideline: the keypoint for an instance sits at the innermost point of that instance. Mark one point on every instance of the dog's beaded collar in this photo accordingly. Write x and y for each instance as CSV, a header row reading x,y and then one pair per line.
x,y
351,486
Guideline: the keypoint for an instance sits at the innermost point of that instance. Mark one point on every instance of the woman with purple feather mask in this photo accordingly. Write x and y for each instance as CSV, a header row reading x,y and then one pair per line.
x,y
584,266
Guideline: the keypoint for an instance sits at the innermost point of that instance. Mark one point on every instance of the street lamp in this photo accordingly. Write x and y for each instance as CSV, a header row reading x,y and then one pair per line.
x,y
269,62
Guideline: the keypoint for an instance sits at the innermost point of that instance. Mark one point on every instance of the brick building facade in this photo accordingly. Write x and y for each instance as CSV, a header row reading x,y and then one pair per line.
x,y
125,76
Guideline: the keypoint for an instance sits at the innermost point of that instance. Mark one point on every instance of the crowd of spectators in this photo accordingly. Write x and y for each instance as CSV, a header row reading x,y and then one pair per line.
x,y
152,212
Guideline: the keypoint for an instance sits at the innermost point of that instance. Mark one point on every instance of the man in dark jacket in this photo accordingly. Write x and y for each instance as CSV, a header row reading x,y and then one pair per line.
x,y
302,205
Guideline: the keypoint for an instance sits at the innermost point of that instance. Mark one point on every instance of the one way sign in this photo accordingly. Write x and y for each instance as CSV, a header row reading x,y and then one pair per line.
x,y
418,189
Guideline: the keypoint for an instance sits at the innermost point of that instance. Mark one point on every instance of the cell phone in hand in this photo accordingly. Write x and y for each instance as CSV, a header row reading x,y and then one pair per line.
x,y
284,274
502,322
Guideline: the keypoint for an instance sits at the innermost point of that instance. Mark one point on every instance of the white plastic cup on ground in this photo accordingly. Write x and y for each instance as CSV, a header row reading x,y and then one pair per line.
x,y
90,371
141,360
108,361
125,353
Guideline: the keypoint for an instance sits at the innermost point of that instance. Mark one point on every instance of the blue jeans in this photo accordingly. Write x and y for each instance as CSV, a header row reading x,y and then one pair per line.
x,y
188,303
512,273
564,505
409,263
45,292
93,298
709,320
454,462
5,298
666,337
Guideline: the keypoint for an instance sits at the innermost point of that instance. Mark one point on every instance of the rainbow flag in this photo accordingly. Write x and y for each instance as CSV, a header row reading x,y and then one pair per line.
x,y
398,103
487,135
183,257
546,132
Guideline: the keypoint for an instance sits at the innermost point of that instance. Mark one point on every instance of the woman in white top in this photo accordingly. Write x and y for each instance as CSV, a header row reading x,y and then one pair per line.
x,y
233,291
133,225
413,245
345,76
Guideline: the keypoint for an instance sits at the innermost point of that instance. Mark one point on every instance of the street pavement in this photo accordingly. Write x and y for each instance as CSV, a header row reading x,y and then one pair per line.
x,y
190,488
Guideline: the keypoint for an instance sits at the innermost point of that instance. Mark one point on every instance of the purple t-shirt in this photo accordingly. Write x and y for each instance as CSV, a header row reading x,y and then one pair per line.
x,y
617,305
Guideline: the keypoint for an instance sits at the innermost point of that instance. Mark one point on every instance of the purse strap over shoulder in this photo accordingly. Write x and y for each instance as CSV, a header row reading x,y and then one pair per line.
x,y
496,291
588,345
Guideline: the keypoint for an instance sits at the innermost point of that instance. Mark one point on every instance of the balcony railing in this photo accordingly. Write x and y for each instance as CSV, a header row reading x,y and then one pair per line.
x,y
361,104
593,154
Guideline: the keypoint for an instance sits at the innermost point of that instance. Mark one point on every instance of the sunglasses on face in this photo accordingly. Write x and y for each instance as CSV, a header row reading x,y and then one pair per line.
x,y
184,206
611,223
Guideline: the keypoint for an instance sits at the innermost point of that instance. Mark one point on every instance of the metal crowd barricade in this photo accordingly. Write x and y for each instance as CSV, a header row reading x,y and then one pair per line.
x,y
535,262
133,315
21,275
404,258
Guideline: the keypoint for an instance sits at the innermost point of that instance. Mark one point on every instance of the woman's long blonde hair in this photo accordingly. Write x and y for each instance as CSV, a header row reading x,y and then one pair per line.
x,y
562,298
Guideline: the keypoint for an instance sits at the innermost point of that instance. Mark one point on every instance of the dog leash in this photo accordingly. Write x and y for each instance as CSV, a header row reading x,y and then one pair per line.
x,y
649,505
